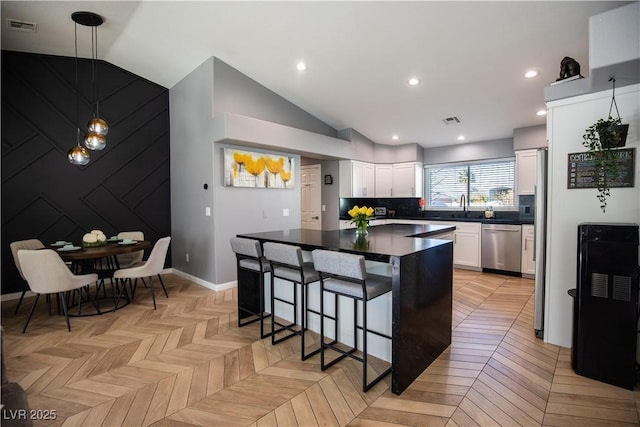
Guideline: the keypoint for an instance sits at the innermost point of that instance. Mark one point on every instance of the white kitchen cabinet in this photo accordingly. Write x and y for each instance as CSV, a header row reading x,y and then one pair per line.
x,y
528,265
526,172
384,180
466,243
357,179
407,180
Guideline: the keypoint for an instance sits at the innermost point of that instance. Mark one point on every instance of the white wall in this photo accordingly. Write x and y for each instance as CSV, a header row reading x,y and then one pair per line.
x,y
566,121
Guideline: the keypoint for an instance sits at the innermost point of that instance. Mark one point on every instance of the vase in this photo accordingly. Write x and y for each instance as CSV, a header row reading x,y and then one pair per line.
x,y
361,230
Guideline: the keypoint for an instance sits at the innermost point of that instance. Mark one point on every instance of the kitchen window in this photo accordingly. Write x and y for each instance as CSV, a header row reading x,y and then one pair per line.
x,y
482,183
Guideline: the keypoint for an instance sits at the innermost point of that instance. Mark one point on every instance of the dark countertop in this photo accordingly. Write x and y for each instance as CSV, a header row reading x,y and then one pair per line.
x,y
514,221
381,243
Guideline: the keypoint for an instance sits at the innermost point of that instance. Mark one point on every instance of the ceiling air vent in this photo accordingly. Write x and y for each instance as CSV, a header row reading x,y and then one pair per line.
x,y
451,120
14,24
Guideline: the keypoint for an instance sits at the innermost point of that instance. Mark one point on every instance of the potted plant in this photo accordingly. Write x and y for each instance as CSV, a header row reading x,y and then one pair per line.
x,y
601,139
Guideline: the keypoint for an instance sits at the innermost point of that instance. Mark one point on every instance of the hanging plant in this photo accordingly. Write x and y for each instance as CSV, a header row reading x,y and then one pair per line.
x,y
601,139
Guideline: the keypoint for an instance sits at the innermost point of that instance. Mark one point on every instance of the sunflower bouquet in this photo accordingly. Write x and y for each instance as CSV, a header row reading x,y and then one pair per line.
x,y
360,216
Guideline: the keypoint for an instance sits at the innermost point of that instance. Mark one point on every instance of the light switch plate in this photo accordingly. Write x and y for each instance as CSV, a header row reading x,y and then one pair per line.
x,y
207,211
285,212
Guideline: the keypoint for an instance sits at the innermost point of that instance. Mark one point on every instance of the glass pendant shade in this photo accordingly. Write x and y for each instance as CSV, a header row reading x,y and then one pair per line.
x,y
78,155
99,126
95,141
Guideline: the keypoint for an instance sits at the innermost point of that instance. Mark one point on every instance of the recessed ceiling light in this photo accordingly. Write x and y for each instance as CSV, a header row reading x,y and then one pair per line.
x,y
395,137
542,113
461,138
301,66
413,81
531,74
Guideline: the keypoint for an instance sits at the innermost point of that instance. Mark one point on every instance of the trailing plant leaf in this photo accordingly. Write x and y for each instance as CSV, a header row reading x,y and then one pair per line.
x,y
599,139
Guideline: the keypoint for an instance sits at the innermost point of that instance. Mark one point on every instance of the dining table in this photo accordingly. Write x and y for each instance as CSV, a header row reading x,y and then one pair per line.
x,y
103,260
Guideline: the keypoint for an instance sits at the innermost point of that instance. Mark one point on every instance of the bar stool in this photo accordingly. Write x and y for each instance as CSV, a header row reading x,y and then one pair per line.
x,y
249,257
345,274
288,264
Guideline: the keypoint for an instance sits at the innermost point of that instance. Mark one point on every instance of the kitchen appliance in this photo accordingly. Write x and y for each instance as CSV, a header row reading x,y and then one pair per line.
x,y
379,211
501,247
540,241
605,305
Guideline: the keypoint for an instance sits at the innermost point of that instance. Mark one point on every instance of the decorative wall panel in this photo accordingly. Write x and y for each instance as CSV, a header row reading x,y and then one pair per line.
x,y
124,187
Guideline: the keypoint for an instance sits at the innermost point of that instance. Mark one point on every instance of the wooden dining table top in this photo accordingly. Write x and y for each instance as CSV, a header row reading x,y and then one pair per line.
x,y
108,250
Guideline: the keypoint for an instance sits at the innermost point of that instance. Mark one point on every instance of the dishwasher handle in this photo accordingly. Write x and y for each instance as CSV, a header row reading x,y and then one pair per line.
x,y
514,230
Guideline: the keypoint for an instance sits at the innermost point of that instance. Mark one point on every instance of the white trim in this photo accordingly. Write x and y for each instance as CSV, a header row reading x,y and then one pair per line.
x,y
203,283
15,295
194,279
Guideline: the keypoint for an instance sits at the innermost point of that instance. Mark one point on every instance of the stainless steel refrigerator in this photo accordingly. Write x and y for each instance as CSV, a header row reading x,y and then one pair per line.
x,y
540,227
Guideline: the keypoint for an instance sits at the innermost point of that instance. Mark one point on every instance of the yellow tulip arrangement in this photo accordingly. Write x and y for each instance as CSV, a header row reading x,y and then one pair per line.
x,y
361,217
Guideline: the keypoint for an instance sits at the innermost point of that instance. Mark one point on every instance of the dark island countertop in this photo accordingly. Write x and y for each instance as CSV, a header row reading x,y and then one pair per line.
x,y
381,243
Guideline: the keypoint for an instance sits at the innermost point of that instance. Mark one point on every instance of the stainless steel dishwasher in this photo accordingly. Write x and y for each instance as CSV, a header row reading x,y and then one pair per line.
x,y
501,247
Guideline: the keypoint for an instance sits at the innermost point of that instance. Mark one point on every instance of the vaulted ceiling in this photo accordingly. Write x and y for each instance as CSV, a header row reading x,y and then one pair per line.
x,y
470,57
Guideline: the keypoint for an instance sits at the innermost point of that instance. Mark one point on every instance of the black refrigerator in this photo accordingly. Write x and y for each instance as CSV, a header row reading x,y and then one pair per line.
x,y
606,303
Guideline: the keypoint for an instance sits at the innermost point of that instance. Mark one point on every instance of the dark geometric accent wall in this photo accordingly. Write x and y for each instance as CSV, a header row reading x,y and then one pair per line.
x,y
124,187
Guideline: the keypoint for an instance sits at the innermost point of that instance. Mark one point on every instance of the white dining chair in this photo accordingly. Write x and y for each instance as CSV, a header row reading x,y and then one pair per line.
x,y
151,267
134,258
47,273
15,247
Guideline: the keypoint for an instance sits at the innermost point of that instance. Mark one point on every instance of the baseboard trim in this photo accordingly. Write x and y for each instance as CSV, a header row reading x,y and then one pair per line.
x,y
203,283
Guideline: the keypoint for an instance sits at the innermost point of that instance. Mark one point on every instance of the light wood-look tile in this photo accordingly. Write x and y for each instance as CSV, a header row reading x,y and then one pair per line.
x,y
187,364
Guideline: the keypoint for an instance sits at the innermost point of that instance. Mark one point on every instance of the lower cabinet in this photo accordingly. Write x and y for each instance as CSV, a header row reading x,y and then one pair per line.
x,y
466,243
528,265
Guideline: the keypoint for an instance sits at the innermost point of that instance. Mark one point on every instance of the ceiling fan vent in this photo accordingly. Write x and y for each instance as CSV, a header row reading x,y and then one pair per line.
x,y
14,24
453,120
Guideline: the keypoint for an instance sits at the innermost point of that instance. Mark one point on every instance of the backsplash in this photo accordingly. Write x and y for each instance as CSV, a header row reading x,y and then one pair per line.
x,y
404,207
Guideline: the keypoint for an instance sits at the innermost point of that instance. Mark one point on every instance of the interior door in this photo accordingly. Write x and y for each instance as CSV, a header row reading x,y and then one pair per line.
x,y
310,197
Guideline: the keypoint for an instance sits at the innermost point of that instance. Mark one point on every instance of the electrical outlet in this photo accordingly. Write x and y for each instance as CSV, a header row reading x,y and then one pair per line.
x,y
324,208
187,257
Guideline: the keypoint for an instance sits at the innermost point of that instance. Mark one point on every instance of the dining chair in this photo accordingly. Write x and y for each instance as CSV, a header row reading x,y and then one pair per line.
x,y
134,258
344,274
47,273
151,267
15,247
287,263
249,258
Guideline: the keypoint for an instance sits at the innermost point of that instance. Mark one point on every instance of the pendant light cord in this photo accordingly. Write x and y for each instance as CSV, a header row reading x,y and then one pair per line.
x,y
613,98
77,94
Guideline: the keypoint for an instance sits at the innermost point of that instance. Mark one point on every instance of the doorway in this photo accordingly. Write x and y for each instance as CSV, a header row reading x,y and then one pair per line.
x,y
310,197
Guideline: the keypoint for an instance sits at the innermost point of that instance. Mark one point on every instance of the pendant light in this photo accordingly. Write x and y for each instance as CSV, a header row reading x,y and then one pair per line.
x,y
97,127
77,155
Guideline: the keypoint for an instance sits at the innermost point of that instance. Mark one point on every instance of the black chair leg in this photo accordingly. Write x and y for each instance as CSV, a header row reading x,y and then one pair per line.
x,y
163,288
20,301
153,292
33,307
66,312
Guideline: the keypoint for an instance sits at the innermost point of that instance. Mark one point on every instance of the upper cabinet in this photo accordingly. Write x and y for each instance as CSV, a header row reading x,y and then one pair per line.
x,y
384,180
357,179
526,172
407,180
360,179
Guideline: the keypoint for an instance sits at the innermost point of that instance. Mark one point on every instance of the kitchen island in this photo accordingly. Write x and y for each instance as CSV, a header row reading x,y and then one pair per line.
x,y
422,282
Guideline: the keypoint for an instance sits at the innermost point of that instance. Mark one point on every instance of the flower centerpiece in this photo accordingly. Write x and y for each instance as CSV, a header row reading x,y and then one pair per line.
x,y
361,217
95,238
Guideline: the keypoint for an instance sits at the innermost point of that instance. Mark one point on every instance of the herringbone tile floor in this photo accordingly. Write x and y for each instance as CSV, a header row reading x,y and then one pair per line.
x,y
188,364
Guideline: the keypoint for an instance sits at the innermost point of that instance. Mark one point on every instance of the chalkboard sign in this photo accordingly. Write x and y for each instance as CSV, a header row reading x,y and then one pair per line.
x,y
581,172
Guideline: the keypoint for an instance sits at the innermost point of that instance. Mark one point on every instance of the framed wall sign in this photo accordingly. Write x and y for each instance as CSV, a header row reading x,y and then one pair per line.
x,y
582,173
328,179
258,170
